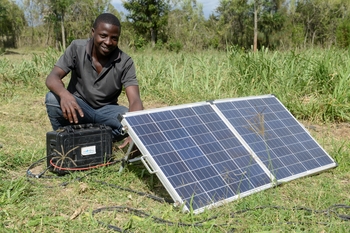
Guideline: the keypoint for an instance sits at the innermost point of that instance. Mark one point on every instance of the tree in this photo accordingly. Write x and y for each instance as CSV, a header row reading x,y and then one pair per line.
x,y
82,15
320,19
148,16
63,20
186,26
257,6
12,22
234,20
272,19
32,15
58,13
53,12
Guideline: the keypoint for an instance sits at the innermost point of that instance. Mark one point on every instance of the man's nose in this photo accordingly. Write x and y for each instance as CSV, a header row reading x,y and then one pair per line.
x,y
108,41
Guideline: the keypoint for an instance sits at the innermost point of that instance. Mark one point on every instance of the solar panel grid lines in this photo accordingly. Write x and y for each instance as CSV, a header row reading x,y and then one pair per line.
x,y
209,153
173,163
237,183
248,148
279,140
191,140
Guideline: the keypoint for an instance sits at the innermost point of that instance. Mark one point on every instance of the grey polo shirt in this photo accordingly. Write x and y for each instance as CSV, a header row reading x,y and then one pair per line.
x,y
96,89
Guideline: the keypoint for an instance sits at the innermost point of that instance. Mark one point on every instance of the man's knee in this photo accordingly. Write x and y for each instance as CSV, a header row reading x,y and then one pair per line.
x,y
53,105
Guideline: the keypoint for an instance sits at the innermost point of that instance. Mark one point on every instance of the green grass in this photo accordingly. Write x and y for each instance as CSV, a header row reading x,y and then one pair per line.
x,y
313,85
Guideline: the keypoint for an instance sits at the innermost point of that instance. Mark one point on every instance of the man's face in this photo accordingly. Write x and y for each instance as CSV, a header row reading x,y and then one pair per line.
x,y
106,38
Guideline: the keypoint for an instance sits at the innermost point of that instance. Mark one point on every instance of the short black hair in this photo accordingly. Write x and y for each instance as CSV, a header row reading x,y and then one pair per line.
x,y
107,18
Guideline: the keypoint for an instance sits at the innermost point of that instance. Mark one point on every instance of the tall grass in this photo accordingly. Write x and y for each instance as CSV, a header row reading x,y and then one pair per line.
x,y
313,85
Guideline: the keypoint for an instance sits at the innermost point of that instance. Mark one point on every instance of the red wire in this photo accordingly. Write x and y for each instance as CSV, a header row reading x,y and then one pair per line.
x,y
79,169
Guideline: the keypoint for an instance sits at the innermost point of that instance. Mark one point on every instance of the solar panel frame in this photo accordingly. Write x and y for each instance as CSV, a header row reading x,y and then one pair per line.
x,y
153,167
281,112
181,134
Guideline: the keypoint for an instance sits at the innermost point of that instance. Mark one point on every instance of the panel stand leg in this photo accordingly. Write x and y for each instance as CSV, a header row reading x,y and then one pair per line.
x,y
126,160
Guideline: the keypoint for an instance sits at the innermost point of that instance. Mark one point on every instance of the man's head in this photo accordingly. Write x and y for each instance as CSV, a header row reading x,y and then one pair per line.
x,y
107,18
105,32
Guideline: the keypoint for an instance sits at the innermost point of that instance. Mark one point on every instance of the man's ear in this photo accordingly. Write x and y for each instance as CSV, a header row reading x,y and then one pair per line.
x,y
92,32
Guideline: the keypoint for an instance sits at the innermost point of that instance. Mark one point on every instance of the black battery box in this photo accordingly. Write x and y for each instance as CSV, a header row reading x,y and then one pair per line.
x,y
78,147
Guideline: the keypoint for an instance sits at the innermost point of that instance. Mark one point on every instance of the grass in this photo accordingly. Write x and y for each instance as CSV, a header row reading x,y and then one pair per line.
x,y
313,85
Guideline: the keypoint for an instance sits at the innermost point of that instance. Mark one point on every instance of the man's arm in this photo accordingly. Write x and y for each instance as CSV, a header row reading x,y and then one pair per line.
x,y
133,95
68,103
135,104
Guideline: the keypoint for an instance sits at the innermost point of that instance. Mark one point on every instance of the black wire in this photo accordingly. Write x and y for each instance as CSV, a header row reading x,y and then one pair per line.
x,y
140,213
156,198
29,172
334,209
122,209
31,176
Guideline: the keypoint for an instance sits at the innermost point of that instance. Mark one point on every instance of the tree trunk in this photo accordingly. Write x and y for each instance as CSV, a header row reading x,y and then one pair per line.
x,y
63,34
48,36
153,37
313,38
255,27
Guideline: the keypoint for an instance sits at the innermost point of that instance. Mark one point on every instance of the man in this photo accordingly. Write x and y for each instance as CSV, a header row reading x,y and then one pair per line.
x,y
99,71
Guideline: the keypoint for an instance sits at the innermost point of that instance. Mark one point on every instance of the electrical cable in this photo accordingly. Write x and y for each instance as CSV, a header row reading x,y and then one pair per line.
x,y
332,210
128,210
82,168
140,213
156,198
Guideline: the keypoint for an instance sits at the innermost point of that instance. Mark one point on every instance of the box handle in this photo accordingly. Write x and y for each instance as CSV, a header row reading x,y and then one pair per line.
x,y
71,128
143,159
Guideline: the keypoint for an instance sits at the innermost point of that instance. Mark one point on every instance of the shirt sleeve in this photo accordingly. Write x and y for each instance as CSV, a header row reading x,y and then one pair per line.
x,y
67,61
129,74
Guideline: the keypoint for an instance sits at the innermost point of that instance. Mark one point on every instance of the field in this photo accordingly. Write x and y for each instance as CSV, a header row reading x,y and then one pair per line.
x,y
314,85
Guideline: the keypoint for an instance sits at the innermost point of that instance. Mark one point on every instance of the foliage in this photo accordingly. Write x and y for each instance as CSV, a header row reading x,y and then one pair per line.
x,y
79,23
235,22
281,24
313,84
148,17
187,28
320,20
272,20
12,22
55,23
343,33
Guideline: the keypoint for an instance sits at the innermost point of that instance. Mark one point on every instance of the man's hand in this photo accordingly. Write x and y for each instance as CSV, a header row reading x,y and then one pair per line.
x,y
70,107
126,141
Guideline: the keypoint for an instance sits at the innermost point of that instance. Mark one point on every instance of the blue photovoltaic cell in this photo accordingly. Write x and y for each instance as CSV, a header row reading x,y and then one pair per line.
x,y
275,136
199,155
202,150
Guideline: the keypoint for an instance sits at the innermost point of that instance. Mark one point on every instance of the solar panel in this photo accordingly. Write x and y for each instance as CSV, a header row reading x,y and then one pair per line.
x,y
276,137
210,153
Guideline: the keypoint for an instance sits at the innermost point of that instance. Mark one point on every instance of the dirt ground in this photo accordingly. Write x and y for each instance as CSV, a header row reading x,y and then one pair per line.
x,y
338,131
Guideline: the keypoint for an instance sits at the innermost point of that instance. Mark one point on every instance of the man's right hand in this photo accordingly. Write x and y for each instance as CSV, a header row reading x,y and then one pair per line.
x,y
70,108
69,105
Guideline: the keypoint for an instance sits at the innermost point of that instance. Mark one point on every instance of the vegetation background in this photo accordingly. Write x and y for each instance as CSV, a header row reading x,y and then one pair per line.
x,y
302,56
180,24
